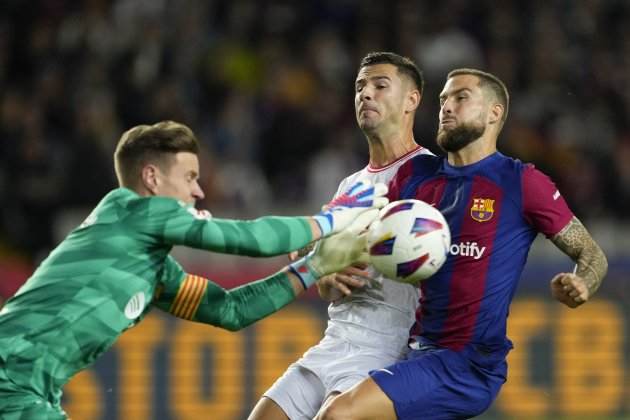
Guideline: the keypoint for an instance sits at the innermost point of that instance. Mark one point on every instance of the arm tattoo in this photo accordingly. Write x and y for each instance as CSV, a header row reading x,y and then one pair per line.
x,y
575,241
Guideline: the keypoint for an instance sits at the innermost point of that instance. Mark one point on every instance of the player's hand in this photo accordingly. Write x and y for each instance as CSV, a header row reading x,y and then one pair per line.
x,y
343,249
337,285
570,289
336,252
343,210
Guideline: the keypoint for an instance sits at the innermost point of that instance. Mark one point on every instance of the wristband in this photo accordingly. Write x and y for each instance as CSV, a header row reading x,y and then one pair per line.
x,y
325,222
303,272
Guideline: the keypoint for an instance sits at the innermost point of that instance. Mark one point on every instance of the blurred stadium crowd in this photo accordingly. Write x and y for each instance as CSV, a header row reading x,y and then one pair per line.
x,y
268,88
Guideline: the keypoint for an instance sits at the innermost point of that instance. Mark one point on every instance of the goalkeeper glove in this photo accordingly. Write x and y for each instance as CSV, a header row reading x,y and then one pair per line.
x,y
341,211
336,252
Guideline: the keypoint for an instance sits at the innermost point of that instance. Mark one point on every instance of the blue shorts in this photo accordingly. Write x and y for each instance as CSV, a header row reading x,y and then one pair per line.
x,y
438,383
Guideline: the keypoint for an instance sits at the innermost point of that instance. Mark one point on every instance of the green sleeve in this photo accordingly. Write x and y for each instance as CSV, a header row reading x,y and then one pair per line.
x,y
171,278
178,224
237,308
198,299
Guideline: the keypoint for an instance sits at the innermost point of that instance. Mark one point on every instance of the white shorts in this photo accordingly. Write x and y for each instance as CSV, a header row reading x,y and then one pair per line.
x,y
333,365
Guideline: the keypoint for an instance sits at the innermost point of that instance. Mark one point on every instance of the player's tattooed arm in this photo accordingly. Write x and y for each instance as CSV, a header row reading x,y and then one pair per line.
x,y
575,241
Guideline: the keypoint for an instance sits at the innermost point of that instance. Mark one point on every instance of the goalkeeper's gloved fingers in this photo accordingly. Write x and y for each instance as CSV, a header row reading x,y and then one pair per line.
x,y
363,221
342,211
380,190
361,194
364,258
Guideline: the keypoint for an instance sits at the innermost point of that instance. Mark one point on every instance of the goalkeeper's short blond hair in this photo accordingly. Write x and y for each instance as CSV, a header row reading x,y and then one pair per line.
x,y
151,144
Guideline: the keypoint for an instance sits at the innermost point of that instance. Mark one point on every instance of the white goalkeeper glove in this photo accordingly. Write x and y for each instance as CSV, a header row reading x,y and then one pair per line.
x,y
359,198
336,252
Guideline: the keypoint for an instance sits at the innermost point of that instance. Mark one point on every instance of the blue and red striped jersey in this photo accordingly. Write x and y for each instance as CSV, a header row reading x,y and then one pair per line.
x,y
494,208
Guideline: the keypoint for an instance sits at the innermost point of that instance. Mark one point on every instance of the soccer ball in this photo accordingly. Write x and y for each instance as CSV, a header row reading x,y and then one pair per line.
x,y
409,241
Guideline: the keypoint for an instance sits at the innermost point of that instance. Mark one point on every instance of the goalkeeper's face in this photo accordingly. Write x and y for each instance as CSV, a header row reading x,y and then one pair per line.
x,y
379,99
179,178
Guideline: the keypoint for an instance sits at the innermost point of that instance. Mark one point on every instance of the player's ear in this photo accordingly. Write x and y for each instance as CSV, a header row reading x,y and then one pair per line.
x,y
413,100
150,178
495,114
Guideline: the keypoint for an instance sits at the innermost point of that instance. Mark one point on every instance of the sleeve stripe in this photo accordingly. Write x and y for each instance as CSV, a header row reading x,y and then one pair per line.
x,y
195,299
182,294
192,298
189,297
195,285
193,302
188,289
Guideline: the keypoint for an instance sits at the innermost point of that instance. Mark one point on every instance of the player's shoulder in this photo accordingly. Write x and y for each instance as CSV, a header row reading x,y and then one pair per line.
x,y
125,206
524,179
129,205
512,162
401,160
526,169
384,173
423,151
533,178
503,165
132,200
422,163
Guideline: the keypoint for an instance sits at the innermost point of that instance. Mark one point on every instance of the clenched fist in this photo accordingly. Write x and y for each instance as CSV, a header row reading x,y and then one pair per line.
x,y
570,289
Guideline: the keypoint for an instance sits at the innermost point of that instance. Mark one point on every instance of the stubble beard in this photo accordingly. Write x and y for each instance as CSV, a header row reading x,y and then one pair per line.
x,y
369,126
455,139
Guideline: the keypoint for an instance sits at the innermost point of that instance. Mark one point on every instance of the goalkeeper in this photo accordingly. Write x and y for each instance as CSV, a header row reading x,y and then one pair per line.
x,y
107,274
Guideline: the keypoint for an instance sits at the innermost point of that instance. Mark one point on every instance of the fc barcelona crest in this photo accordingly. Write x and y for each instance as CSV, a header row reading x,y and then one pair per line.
x,y
482,209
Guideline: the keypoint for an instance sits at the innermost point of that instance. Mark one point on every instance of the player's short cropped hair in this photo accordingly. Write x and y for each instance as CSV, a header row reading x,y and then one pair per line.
x,y
488,82
405,65
151,144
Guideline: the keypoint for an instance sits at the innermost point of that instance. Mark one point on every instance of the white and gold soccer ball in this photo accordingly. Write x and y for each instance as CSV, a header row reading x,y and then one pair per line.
x,y
409,241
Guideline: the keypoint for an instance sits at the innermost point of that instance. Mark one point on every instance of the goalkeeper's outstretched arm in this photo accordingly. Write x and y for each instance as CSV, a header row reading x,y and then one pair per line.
x,y
271,235
199,299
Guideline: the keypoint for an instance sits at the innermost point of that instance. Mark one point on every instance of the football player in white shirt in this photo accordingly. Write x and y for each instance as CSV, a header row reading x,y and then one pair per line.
x,y
370,316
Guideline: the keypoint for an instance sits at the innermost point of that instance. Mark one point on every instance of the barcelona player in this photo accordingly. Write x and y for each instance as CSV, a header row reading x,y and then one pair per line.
x,y
113,268
496,205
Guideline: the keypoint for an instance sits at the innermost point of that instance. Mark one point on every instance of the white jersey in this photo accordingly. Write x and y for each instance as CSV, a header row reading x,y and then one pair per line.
x,y
367,330
380,314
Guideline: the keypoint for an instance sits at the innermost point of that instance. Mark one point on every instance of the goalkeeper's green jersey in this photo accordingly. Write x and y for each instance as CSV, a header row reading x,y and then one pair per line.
x,y
108,272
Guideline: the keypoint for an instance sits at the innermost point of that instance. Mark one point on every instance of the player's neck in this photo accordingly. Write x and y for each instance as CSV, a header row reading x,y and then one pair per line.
x,y
385,150
472,153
